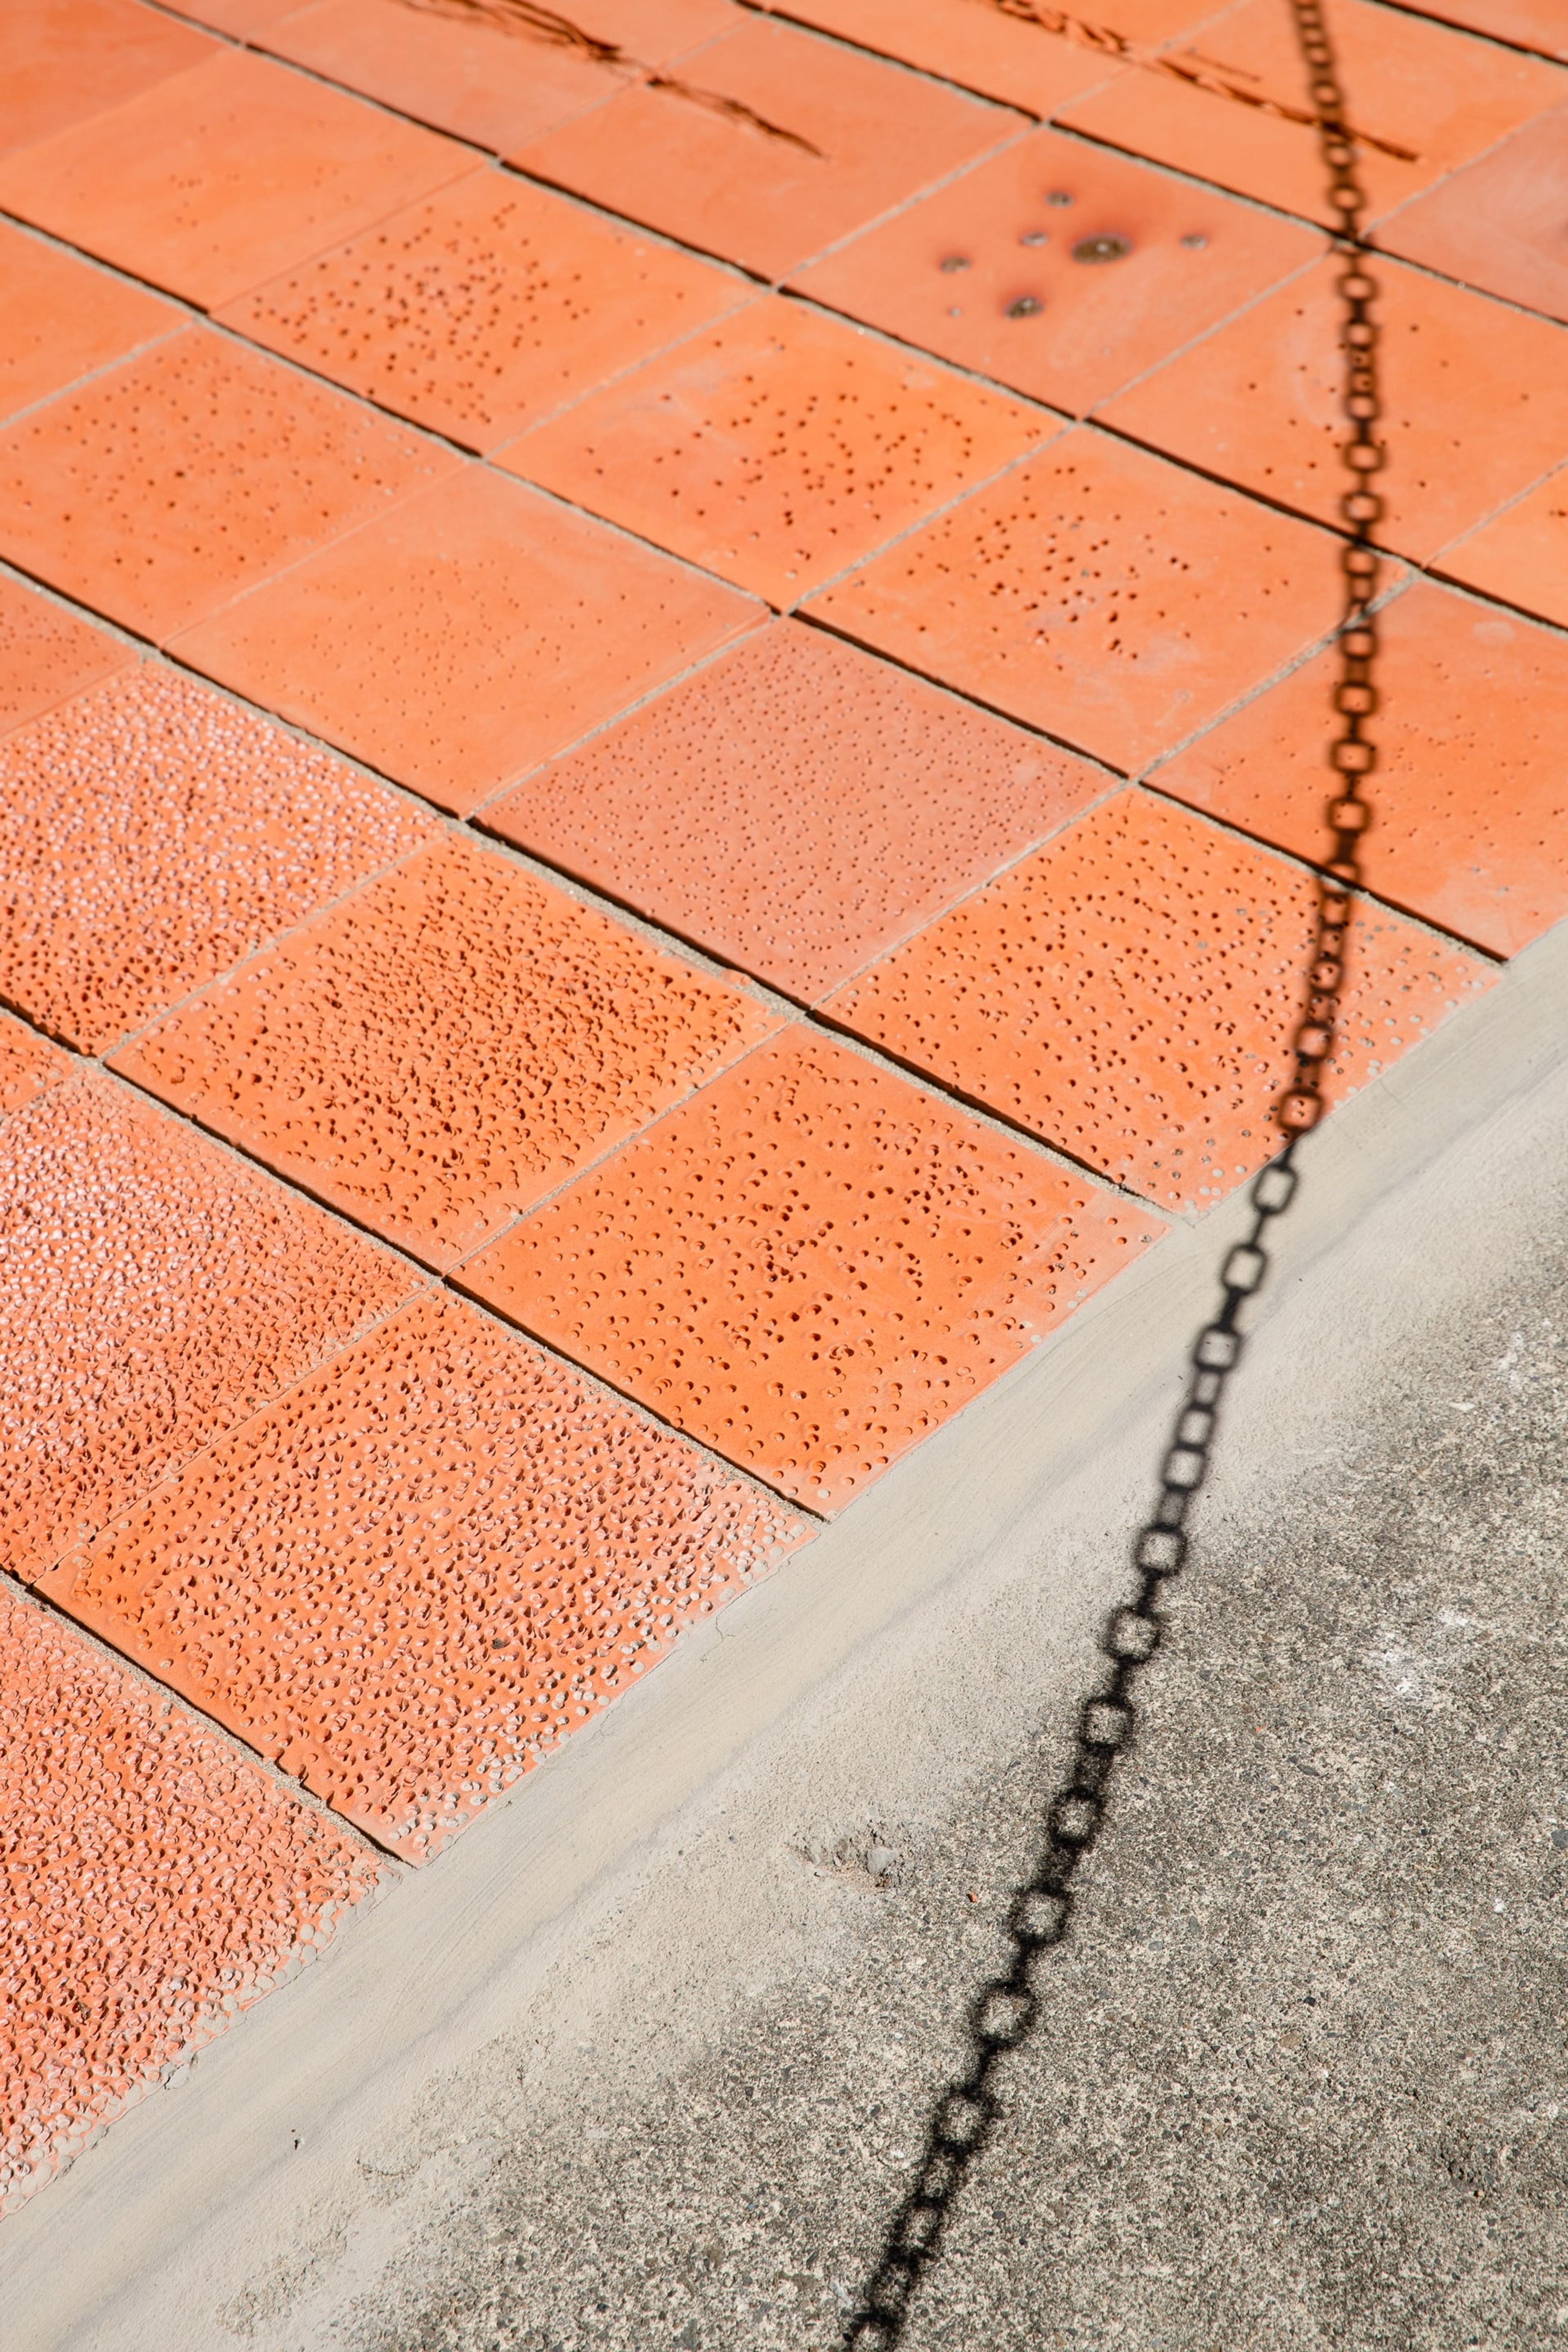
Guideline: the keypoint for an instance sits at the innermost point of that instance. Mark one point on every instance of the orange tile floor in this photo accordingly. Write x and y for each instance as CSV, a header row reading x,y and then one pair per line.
x,y
661,702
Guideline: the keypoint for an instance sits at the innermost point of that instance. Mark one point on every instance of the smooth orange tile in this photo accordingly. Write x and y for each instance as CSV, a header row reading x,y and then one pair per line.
x,y
157,1291
1528,24
796,806
1080,592
777,449
1475,403
160,1880
472,633
64,318
486,307
1131,991
47,654
1501,223
1061,270
410,1580
1412,85
151,836
810,1264
63,61
848,137
212,182
244,18
158,491
444,1047
1001,53
1522,554
30,1064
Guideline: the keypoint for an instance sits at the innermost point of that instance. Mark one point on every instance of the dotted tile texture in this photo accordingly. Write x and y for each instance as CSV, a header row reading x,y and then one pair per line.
x,y
47,654
64,318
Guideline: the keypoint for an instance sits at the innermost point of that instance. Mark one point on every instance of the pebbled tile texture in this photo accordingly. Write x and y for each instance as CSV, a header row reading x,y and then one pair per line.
x,y
30,1064
153,1292
65,61
796,806
778,448
157,1882
1521,555
1501,223
405,1582
47,654
1129,993
445,1046
151,836
65,319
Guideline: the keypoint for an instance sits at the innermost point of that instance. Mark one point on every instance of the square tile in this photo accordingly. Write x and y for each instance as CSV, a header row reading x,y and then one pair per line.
x,y
1059,269
157,1292
1475,403
778,448
153,835
473,1547
63,61
1131,991
1003,53
1425,99
47,654
810,1264
472,633
30,1064
767,146
445,1046
796,806
1080,593
1469,797
65,319
1521,555
483,309
1501,223
160,490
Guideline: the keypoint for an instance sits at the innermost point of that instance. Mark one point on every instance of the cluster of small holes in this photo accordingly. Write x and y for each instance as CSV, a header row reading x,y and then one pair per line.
x,y
155,1883
47,654
443,1046
152,835
409,1579
28,1064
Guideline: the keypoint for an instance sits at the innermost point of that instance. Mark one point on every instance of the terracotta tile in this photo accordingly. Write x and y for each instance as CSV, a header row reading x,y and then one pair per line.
x,y
30,1064
1528,24
472,633
1418,89
1501,223
160,490
47,654
1521,555
1080,593
64,61
1059,269
1130,991
151,836
243,18
485,307
156,1292
445,1046
164,1882
481,72
466,1547
779,448
847,137
1475,403
212,183
810,1264
64,318
796,806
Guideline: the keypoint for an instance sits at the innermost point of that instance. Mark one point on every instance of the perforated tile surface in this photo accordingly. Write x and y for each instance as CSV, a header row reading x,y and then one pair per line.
x,y
28,1063
47,654
1522,554
65,319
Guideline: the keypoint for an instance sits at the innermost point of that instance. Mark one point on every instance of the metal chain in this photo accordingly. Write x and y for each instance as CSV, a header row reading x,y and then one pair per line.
x,y
1006,2007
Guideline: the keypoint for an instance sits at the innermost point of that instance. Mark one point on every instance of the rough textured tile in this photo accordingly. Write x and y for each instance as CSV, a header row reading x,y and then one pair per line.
x,y
157,1883
990,48
1470,795
160,490
1475,401
155,1291
410,1579
810,1264
151,836
29,1065
848,136
47,654
1528,24
1080,592
1522,554
796,806
474,632
1130,991
446,1045
1501,223
486,307
777,449
212,182
1059,269
64,318
63,61
1413,86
